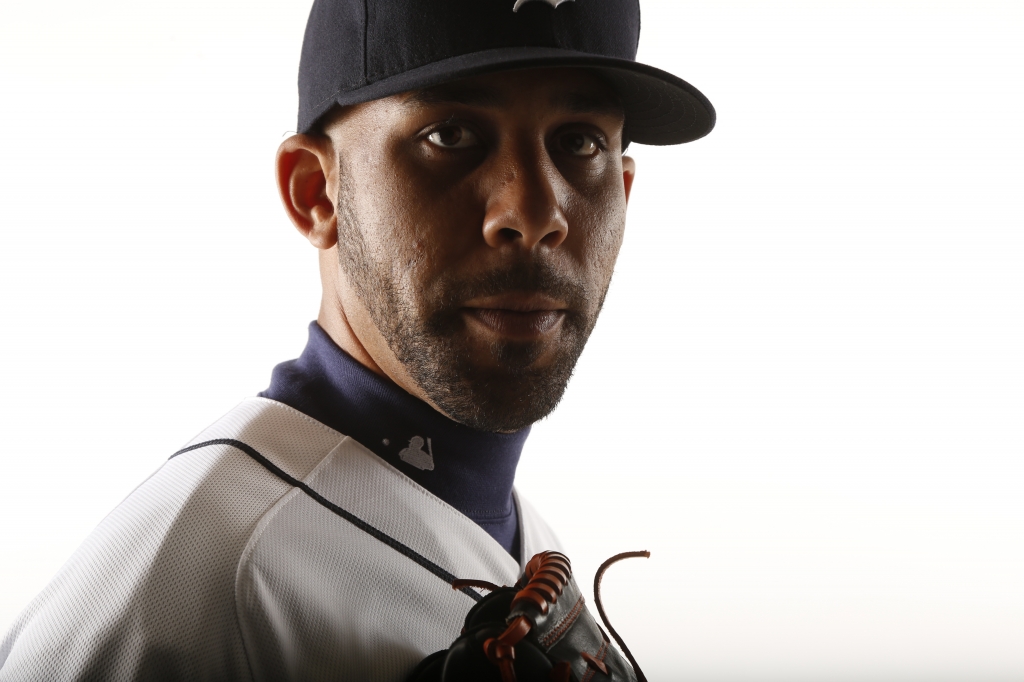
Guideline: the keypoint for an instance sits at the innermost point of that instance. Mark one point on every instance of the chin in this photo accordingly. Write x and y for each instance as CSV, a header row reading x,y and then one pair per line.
x,y
521,357
517,387
492,382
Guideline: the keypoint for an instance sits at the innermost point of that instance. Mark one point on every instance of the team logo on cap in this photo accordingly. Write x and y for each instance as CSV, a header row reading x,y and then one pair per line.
x,y
553,3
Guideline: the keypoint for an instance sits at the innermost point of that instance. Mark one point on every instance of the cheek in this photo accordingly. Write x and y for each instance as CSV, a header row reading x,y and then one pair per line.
x,y
599,219
415,230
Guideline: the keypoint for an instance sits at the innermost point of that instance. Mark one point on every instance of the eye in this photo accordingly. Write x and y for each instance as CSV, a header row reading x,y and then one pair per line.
x,y
452,137
579,144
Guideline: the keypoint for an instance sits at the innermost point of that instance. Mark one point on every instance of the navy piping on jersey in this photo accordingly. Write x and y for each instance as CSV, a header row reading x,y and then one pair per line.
x,y
343,513
471,470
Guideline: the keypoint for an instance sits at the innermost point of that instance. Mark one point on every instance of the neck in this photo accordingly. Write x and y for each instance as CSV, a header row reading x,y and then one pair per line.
x,y
342,313
332,317
471,470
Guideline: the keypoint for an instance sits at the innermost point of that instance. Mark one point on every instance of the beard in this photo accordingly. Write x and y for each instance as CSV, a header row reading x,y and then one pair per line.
x,y
423,325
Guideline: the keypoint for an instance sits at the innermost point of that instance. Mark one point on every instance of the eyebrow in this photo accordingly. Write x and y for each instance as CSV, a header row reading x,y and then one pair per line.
x,y
490,98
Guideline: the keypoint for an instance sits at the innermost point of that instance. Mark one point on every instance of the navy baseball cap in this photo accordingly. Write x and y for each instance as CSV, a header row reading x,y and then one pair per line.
x,y
359,50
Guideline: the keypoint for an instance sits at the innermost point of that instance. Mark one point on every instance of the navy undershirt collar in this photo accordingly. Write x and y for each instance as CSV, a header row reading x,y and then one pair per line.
x,y
473,471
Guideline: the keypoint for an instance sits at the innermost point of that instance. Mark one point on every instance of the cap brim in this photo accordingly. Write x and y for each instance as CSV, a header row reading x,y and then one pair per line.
x,y
661,109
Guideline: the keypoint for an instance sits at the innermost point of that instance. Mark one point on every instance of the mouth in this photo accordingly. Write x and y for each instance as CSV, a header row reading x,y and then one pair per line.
x,y
516,316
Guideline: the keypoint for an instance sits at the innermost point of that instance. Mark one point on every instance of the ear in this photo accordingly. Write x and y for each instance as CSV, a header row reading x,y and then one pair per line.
x,y
628,173
307,180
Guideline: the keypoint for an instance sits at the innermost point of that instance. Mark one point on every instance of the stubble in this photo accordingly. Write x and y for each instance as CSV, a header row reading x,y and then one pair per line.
x,y
422,324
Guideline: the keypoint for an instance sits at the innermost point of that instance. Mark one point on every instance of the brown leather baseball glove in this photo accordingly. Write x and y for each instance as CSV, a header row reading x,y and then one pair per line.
x,y
537,630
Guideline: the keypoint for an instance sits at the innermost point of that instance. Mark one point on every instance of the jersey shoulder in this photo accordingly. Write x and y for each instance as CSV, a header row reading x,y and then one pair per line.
x,y
150,593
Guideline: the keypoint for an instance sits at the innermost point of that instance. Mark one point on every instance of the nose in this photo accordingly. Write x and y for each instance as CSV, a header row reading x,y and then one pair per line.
x,y
523,208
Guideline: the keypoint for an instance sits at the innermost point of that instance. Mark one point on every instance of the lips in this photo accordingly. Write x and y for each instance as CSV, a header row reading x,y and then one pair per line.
x,y
519,316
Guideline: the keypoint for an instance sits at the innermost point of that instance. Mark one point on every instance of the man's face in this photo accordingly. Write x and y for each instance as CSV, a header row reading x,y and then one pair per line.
x,y
478,227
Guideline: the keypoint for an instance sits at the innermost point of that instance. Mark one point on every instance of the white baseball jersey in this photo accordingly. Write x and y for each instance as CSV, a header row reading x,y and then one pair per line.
x,y
271,548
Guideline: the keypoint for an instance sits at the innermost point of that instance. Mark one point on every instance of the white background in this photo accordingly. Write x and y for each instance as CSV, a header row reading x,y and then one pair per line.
x,y
805,395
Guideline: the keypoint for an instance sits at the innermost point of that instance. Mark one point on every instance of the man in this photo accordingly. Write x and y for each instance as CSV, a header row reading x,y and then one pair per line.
x,y
460,170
